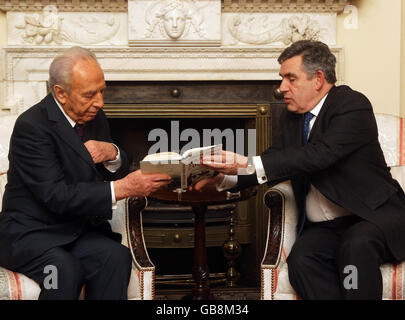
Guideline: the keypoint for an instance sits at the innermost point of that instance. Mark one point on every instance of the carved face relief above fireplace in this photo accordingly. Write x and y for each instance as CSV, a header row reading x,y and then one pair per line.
x,y
157,40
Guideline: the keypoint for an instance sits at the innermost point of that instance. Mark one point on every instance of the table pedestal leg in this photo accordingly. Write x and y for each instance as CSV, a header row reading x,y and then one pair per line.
x,y
200,269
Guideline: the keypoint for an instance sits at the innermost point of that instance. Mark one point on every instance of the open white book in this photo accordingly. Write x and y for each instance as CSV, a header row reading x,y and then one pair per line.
x,y
185,169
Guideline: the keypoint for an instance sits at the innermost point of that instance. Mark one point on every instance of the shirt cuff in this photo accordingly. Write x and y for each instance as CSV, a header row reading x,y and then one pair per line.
x,y
113,200
261,174
228,183
250,169
115,164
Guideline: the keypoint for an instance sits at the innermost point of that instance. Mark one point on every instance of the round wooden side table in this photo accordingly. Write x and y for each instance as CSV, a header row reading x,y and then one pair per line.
x,y
199,202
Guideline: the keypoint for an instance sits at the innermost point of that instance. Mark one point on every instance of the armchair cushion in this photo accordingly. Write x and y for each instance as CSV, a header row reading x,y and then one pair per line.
x,y
16,286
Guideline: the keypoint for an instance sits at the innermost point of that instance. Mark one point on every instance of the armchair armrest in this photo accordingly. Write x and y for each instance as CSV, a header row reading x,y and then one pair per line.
x,y
281,235
127,220
137,242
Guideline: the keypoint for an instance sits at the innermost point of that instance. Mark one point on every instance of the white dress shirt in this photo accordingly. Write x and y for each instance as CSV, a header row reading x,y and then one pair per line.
x,y
111,166
319,208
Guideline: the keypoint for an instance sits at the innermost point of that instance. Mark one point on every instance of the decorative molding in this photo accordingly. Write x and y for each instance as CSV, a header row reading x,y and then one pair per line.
x,y
288,31
277,28
65,5
227,5
26,67
174,22
51,27
40,28
266,6
182,15
90,30
181,111
218,45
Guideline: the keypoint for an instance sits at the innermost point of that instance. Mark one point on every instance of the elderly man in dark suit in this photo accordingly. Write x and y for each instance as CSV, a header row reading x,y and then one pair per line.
x,y
61,188
352,212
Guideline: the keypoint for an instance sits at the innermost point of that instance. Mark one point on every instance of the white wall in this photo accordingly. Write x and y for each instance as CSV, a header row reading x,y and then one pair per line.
x,y
403,60
373,53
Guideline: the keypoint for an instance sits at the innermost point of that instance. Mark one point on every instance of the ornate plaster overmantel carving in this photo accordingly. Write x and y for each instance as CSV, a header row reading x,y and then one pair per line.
x,y
227,5
138,40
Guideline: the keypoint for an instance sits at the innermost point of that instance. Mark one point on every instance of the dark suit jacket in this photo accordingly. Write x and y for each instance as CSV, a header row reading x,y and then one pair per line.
x,y
54,189
343,160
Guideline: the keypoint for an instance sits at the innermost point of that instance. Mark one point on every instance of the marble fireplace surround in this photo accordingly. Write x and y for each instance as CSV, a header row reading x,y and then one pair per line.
x,y
243,41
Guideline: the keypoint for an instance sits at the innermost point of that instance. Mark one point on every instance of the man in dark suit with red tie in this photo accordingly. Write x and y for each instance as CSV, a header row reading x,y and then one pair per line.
x,y
63,185
352,212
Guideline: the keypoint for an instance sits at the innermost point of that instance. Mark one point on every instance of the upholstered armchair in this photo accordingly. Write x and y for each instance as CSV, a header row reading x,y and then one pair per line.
x,y
127,220
283,215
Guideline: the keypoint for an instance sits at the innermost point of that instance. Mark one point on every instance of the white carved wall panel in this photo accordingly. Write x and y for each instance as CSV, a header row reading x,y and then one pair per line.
x,y
158,39
51,27
174,22
277,28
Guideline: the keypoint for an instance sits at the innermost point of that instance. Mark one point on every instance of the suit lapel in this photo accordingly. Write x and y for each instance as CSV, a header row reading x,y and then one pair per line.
x,y
324,109
65,131
293,133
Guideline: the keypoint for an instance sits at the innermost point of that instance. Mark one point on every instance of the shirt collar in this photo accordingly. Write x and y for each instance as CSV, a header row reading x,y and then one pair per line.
x,y
72,123
315,111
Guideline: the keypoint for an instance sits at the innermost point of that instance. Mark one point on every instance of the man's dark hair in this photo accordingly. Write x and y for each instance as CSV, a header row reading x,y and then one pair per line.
x,y
315,56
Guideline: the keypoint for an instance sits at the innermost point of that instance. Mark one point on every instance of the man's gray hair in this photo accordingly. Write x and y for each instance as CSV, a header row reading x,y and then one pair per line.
x,y
60,71
315,56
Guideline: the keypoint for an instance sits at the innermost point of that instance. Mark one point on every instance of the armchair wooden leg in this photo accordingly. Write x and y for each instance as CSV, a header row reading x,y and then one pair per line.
x,y
136,205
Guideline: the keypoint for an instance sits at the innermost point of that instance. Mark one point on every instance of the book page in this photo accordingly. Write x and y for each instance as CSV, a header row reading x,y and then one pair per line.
x,y
163,157
174,169
196,172
194,155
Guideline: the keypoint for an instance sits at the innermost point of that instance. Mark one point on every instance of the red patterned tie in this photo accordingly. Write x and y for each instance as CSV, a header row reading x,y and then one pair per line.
x,y
79,128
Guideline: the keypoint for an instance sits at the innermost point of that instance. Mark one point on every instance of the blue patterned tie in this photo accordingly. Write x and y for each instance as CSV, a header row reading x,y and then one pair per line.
x,y
305,133
307,118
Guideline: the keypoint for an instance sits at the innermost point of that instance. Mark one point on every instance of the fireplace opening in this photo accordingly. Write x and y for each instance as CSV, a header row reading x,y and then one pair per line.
x,y
140,137
135,109
170,226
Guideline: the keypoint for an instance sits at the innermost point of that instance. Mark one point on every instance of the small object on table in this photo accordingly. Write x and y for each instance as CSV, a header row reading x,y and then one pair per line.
x,y
179,191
